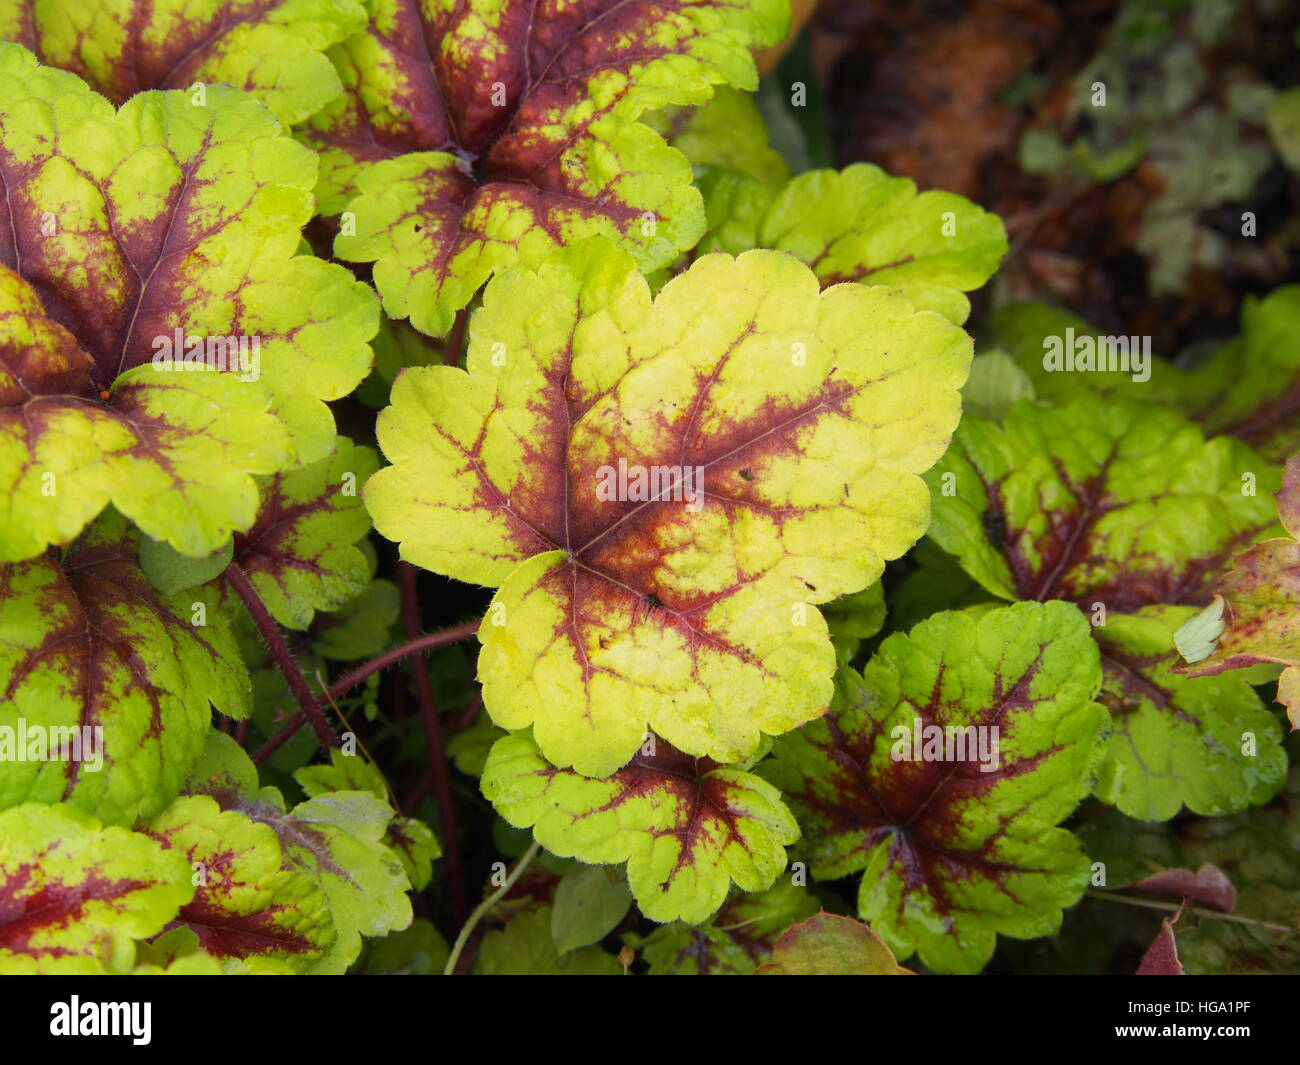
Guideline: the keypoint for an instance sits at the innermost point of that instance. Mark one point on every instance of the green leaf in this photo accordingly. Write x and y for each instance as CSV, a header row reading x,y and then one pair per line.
x,y
854,618
251,911
525,948
126,230
411,840
86,644
735,940
274,50
171,572
956,844
589,904
299,554
76,895
416,951
360,628
1125,510
995,385
829,945
686,827
797,426
1255,616
337,839
860,224
516,133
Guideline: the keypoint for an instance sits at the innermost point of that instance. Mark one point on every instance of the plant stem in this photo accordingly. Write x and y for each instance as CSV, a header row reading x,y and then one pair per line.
x,y
483,907
237,580
350,680
453,353
437,749
1170,907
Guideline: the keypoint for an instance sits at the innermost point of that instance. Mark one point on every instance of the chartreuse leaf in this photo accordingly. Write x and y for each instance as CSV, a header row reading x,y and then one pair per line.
x,y
525,948
410,839
300,553
783,432
251,910
274,50
122,232
956,841
76,895
733,942
1255,615
686,827
860,224
516,133
119,676
829,945
1124,509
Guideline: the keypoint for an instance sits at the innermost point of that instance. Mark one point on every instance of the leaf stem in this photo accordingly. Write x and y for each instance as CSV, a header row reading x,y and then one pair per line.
x,y
1157,904
483,907
351,679
243,587
437,749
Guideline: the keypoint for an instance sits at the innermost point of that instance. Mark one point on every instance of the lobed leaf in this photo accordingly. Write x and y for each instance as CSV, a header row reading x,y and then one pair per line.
x,y
74,896
120,233
274,49
687,828
471,137
806,419
86,644
957,848
830,945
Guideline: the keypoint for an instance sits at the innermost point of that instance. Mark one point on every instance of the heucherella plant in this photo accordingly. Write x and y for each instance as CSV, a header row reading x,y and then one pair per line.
x,y
770,629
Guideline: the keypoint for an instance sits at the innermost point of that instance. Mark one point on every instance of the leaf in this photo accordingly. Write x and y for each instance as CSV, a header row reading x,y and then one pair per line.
x,y
860,224
996,384
514,133
416,951
171,572
735,940
686,827
251,911
411,840
829,945
1207,743
337,839
854,618
803,422
121,231
299,554
589,904
1255,615
954,853
74,895
1208,887
87,643
525,948
1161,958
273,50
360,627
1125,510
